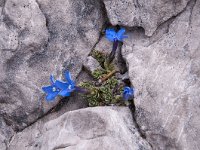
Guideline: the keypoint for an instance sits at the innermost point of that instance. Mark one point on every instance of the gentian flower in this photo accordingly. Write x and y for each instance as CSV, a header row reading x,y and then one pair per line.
x,y
128,93
52,90
66,87
59,87
62,88
112,36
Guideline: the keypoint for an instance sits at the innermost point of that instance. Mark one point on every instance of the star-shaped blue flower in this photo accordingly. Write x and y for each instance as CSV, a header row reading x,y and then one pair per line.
x,y
52,90
128,93
112,36
66,87
59,87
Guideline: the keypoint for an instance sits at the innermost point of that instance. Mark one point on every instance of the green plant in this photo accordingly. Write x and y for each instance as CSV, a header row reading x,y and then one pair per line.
x,y
102,95
108,91
99,56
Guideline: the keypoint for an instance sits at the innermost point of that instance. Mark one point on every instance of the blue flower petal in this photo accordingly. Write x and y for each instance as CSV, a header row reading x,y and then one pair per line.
x,y
127,89
120,34
111,35
126,97
61,85
132,91
64,93
52,96
128,93
125,36
47,89
68,78
52,80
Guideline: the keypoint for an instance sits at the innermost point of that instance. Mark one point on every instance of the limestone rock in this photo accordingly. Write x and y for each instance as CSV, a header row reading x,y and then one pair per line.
x,y
104,46
6,132
39,38
99,128
148,14
165,71
92,64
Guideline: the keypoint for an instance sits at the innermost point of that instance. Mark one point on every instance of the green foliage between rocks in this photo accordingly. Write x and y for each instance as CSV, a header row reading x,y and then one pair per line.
x,y
99,56
107,93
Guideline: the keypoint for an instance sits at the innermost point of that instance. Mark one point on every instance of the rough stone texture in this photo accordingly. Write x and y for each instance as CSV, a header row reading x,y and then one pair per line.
x,y
6,133
100,128
165,70
39,38
91,64
104,45
148,14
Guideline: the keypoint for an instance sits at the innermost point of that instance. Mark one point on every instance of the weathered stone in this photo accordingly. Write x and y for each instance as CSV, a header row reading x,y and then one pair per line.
x,y
6,132
104,45
39,38
92,64
123,77
27,17
148,14
92,128
165,71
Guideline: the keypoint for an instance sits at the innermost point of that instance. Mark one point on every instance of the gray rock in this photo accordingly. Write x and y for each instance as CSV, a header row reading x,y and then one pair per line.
x,y
6,132
104,46
99,128
92,64
165,71
39,38
148,14
123,77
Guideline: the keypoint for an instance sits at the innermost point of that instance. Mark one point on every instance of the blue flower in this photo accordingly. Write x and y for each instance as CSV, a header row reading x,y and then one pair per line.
x,y
66,87
59,87
52,90
112,36
128,93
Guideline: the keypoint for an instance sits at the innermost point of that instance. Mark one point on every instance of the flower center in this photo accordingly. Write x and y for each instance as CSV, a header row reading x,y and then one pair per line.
x,y
54,89
70,87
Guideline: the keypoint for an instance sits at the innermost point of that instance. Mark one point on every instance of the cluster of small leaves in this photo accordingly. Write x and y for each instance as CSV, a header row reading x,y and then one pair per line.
x,y
106,93
102,59
99,56
102,95
108,66
99,73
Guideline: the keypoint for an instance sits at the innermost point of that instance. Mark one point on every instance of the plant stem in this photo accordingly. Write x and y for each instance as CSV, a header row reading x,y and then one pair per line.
x,y
107,76
82,90
112,54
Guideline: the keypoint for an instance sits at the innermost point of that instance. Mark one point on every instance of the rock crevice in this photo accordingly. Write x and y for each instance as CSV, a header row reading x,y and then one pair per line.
x,y
164,70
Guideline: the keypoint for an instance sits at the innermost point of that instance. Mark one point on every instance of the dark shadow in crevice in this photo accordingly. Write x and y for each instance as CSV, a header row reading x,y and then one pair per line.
x,y
122,65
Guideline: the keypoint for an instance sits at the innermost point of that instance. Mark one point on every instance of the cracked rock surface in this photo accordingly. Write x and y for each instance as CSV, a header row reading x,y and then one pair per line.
x,y
165,70
148,14
39,38
91,64
162,53
104,128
